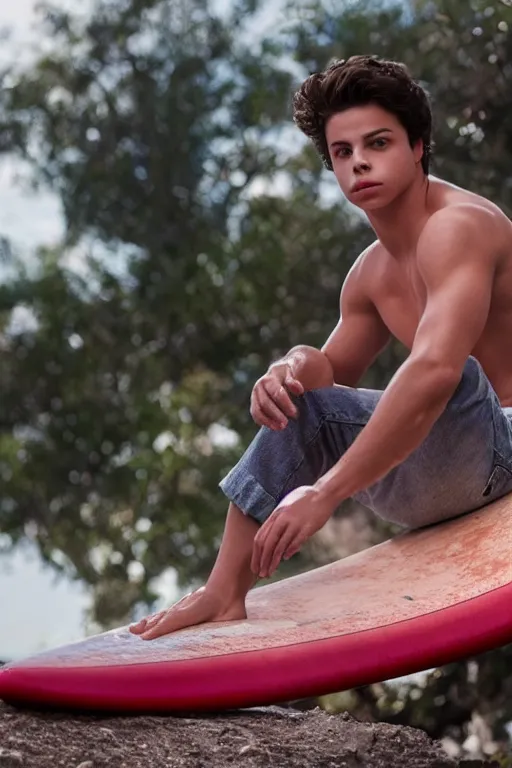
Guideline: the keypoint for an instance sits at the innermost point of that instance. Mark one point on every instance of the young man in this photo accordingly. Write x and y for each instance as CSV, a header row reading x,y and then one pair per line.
x,y
438,442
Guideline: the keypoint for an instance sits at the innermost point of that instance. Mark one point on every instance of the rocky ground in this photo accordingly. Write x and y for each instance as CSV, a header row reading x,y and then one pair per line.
x,y
265,737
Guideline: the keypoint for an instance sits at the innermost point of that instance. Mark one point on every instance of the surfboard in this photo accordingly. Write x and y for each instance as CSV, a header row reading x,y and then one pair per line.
x,y
420,600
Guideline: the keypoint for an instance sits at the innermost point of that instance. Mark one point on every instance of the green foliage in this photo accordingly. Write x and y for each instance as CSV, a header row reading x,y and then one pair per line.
x,y
207,246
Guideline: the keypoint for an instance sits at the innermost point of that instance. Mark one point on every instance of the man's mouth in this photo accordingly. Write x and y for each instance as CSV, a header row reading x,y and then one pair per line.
x,y
365,185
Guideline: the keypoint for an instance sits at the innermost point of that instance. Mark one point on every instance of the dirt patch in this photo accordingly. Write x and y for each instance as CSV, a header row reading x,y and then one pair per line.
x,y
265,737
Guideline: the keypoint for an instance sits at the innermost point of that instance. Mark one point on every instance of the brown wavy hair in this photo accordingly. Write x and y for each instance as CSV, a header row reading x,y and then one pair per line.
x,y
355,82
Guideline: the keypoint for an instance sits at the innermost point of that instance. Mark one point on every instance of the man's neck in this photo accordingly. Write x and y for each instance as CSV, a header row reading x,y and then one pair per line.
x,y
398,226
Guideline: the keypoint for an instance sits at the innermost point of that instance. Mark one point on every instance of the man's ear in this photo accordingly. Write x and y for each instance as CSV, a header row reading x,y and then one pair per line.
x,y
418,151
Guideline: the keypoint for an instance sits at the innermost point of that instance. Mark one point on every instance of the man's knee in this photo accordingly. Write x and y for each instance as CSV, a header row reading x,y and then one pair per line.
x,y
319,374
321,379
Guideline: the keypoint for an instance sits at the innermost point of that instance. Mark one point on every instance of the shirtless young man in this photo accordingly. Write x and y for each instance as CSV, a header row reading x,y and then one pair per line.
x,y
438,441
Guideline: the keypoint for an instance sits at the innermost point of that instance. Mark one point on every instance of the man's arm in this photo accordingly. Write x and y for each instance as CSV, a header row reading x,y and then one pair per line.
x,y
353,345
360,334
348,352
457,265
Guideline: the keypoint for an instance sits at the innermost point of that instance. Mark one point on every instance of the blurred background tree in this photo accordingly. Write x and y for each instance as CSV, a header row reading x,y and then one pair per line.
x,y
210,240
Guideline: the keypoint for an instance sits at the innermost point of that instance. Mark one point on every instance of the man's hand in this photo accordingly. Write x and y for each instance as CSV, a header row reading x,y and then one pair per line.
x,y
271,405
299,515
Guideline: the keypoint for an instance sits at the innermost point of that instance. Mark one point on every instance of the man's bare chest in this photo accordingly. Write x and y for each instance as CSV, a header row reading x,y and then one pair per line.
x,y
400,298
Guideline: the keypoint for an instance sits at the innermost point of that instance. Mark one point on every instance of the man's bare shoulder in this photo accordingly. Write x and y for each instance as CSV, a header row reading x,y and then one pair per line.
x,y
364,266
358,286
465,227
453,207
465,211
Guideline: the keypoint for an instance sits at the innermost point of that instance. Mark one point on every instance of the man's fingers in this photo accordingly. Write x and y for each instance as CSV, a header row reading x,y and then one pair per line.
x,y
271,410
271,404
277,392
293,385
269,547
293,547
259,415
259,544
282,545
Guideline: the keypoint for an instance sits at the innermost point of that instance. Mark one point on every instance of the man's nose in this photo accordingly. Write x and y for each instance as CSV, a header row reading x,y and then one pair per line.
x,y
360,161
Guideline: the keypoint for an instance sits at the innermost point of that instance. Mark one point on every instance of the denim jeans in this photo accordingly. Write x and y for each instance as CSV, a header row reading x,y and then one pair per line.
x,y
464,463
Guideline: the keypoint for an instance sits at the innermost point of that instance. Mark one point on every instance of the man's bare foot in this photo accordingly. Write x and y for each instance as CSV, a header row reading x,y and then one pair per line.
x,y
197,608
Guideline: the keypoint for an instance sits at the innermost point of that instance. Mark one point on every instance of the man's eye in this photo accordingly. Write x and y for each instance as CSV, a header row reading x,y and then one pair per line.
x,y
343,152
379,142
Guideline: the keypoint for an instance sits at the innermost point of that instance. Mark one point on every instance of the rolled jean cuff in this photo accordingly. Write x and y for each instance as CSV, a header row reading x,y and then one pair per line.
x,y
248,495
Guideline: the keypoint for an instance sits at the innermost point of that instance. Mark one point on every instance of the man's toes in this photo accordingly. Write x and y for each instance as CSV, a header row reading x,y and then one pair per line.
x,y
146,623
157,630
138,627
168,621
153,620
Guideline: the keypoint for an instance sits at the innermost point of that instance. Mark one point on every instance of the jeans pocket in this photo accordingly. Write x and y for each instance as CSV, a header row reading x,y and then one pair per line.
x,y
499,482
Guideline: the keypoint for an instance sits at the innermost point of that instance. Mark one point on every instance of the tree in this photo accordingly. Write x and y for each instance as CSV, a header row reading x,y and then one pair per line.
x,y
153,124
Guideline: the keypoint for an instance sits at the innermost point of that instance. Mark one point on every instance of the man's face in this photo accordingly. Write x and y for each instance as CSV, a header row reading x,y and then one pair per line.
x,y
369,146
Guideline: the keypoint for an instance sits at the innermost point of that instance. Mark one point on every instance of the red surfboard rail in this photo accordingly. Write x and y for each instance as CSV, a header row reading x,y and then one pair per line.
x,y
421,600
